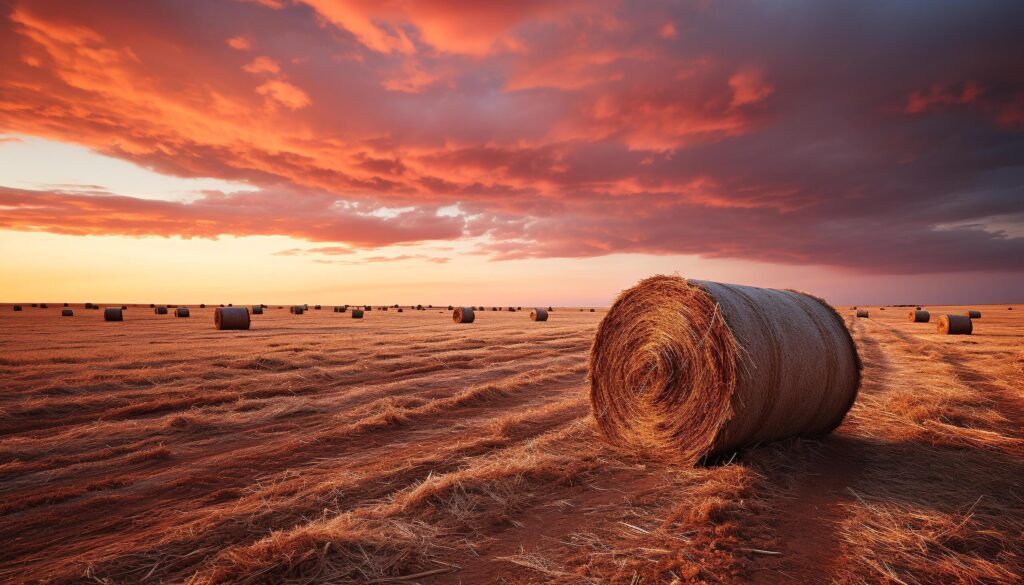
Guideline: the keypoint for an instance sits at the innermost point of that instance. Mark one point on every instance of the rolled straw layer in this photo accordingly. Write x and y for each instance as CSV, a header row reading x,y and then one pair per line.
x,y
919,316
693,369
231,318
955,324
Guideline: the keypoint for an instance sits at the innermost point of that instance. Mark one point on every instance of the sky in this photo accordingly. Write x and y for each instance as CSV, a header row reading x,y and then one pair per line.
x,y
527,153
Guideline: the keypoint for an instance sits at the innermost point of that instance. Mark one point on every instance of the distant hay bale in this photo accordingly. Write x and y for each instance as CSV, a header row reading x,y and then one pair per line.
x,y
44,306
88,305
974,314
367,308
512,309
693,369
95,306
550,309
955,324
881,308
113,314
67,313
231,304
66,305
35,305
592,310
451,308
296,310
231,318
160,310
182,312
401,310
317,307
862,313
16,307
463,315
539,315
202,305
918,316
357,313
124,307
257,309
152,306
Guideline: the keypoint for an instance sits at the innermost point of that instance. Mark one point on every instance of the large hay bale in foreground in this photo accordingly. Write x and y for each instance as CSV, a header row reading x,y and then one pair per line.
x,y
357,313
974,314
862,313
463,315
693,369
160,310
955,324
182,312
231,318
67,313
538,314
918,316
113,314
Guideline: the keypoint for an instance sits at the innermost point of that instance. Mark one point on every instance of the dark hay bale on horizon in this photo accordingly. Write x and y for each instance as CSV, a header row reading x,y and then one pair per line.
x,y
235,318
66,305
35,305
44,306
538,315
919,316
182,312
463,315
401,310
862,314
296,310
257,309
16,307
955,325
124,307
160,310
202,305
88,305
317,307
692,370
593,310
112,314
974,314
357,313
153,306
67,313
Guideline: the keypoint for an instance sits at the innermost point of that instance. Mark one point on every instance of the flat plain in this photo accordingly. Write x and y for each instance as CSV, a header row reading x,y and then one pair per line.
x,y
402,448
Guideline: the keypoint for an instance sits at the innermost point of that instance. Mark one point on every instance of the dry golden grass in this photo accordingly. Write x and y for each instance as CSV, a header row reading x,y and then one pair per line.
x,y
403,448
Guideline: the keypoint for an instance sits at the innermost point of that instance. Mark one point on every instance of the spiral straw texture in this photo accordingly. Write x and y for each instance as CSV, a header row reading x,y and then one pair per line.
x,y
690,370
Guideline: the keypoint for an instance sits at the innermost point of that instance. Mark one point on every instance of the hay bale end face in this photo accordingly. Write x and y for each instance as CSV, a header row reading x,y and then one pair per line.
x,y
112,314
231,318
67,313
160,310
357,313
692,370
463,315
539,315
862,313
919,316
257,310
955,325
182,312
974,314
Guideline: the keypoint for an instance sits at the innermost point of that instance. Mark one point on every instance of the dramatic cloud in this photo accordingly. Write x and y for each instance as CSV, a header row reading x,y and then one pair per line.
x,y
878,138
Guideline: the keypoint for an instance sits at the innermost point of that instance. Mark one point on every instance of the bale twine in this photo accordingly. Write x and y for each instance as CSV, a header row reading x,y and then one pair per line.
x,y
160,310
181,312
918,316
696,369
16,307
974,314
231,318
955,324
257,310
862,313
357,313
463,315
67,313
538,315
113,314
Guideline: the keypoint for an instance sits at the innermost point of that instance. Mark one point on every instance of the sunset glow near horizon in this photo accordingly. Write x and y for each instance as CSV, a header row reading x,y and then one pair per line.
x,y
528,153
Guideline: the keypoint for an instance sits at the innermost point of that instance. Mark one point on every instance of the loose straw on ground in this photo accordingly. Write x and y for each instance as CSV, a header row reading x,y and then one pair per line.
x,y
692,370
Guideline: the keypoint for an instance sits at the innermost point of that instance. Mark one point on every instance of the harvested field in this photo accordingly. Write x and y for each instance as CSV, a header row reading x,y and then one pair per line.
x,y
400,448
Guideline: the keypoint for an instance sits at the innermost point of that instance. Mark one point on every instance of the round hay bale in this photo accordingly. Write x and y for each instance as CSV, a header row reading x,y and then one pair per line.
x,y
124,307
955,324
401,310
451,308
113,314
296,310
317,307
357,313
44,306
231,305
463,315
66,305
152,306
88,305
592,310
16,307
862,314
550,309
974,314
538,315
918,316
511,309
881,308
67,313
181,312
231,318
160,310
692,370
202,305
257,310
35,305
95,307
